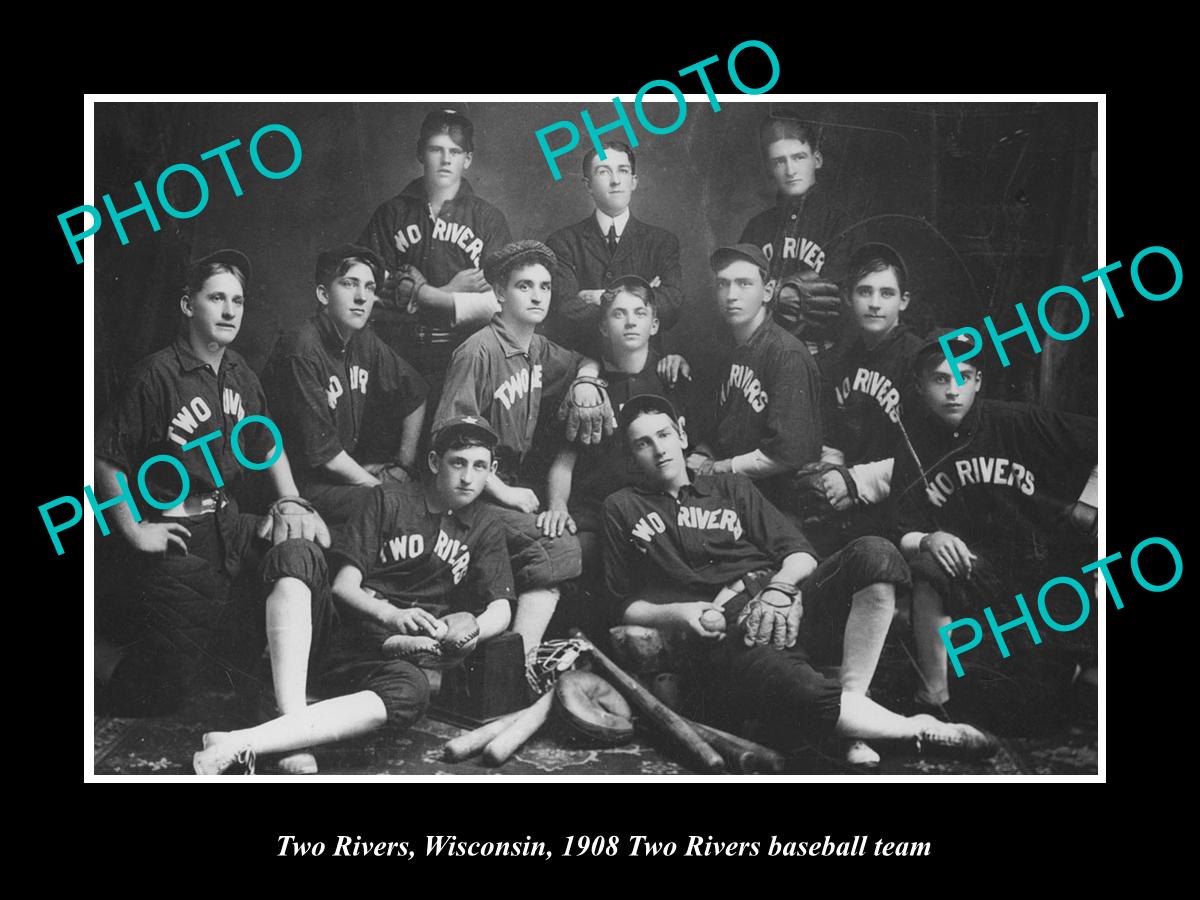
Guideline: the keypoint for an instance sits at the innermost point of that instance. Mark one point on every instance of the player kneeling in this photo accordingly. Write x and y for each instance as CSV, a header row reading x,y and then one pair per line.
x,y
680,552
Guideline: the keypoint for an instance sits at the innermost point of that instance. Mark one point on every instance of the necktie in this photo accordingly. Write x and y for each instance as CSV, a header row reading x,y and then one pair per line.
x,y
612,239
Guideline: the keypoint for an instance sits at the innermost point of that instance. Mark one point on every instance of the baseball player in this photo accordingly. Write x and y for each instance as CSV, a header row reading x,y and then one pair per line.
x,y
867,386
206,583
504,372
607,244
681,550
432,238
991,501
412,554
766,423
582,476
796,234
319,380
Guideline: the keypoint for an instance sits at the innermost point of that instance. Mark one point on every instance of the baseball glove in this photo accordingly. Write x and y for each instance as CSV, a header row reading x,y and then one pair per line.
x,y
293,517
446,652
589,423
809,305
811,500
592,709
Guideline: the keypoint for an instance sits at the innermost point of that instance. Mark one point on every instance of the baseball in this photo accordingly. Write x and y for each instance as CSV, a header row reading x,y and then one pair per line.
x,y
712,620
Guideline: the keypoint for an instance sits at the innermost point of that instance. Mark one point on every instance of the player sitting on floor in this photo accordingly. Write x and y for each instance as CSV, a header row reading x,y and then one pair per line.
x,y
318,380
413,554
866,386
609,243
581,477
993,504
676,547
766,423
502,373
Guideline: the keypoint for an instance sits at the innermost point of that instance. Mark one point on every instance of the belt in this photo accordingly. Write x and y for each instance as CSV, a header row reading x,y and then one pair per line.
x,y
198,505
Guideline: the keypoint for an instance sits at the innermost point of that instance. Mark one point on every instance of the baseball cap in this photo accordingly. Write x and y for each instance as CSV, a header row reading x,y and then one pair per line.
x,y
447,430
723,256
879,250
329,260
500,262
226,257
931,345
636,405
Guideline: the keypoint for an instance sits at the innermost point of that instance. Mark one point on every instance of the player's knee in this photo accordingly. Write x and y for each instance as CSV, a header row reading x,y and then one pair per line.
x,y
875,560
404,690
296,558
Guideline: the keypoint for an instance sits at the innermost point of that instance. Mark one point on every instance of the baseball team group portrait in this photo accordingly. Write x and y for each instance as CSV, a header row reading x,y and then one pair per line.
x,y
659,468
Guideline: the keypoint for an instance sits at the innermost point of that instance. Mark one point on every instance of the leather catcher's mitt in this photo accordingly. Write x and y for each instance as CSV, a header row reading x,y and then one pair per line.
x,y
808,491
593,709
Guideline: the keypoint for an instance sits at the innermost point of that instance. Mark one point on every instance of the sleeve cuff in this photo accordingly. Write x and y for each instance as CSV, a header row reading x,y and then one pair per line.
x,y
873,479
910,544
1091,490
474,309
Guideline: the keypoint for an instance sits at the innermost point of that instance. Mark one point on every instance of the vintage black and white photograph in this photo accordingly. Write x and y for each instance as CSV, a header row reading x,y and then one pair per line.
x,y
744,448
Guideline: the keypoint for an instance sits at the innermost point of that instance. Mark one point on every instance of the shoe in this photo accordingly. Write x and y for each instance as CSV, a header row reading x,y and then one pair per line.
x,y
861,755
302,763
216,757
957,739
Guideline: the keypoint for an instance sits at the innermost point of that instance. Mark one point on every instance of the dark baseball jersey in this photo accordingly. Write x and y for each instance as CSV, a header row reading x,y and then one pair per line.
x,y
173,397
584,263
796,233
600,469
866,392
403,230
491,376
413,556
718,529
769,400
318,387
1006,473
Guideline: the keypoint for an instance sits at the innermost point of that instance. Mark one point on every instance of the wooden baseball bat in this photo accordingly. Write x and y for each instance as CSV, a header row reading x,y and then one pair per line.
x,y
473,742
673,725
740,754
528,721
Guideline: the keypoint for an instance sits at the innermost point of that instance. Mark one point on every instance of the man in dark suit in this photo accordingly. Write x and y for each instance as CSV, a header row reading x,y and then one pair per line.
x,y
607,245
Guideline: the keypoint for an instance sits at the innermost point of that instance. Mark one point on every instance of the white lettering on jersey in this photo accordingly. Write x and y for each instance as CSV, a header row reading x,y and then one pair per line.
x,y
334,391
405,546
454,552
708,519
649,525
742,378
358,379
462,236
517,385
872,384
406,237
981,470
231,403
188,419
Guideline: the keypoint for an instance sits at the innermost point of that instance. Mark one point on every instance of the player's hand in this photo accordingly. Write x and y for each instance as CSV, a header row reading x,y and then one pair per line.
x,y
700,463
691,613
416,620
159,537
521,498
591,297
672,367
553,520
470,281
952,554
1083,518
772,619
389,473
837,492
293,518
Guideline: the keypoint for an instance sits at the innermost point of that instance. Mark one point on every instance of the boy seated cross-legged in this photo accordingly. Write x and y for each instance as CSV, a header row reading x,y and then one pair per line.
x,y
677,547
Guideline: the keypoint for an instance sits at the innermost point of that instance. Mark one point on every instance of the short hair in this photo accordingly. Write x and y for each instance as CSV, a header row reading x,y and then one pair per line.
x,y
786,124
337,268
877,264
650,411
451,122
645,294
198,274
619,146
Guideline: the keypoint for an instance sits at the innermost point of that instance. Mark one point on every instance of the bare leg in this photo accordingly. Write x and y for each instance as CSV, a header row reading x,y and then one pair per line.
x,y
534,611
289,640
928,617
322,723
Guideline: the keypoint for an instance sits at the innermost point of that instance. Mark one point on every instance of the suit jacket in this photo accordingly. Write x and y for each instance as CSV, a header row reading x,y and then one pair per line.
x,y
584,264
